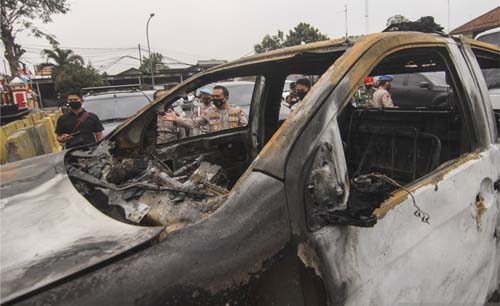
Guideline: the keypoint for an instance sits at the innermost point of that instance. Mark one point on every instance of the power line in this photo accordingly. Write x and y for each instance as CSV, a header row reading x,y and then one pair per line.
x,y
83,48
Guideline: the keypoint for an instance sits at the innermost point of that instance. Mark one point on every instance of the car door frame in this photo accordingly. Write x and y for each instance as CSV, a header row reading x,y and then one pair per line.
x,y
336,248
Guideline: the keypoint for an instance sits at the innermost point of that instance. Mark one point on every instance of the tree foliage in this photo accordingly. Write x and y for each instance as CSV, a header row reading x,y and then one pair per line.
x,y
62,57
18,15
155,61
302,33
69,71
270,43
74,77
60,60
398,18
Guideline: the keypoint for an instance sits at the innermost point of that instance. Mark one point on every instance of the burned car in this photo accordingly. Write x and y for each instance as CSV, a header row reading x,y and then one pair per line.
x,y
337,205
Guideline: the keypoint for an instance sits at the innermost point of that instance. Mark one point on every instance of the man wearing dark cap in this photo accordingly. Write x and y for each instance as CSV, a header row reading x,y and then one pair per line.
x,y
382,97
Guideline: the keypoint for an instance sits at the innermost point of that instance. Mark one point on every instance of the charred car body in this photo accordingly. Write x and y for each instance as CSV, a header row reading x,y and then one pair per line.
x,y
338,205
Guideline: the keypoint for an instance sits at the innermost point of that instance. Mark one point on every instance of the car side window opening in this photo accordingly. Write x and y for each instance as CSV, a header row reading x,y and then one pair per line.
x,y
489,62
213,107
393,147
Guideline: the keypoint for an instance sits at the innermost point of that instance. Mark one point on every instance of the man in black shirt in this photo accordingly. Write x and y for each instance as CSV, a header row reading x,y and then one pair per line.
x,y
78,127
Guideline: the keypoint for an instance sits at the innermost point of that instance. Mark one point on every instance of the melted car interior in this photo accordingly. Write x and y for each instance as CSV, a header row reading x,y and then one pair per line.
x,y
386,149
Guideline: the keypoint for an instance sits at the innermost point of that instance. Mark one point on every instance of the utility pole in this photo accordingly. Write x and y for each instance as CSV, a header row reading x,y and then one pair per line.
x,y
367,26
149,50
345,10
448,16
140,64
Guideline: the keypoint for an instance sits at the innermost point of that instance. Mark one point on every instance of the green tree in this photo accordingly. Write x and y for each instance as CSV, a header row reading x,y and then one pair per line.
x,y
61,58
155,61
270,43
75,77
398,18
17,16
302,33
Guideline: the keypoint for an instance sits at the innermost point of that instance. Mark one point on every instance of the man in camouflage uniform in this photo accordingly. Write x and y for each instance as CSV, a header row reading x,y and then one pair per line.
x,y
200,109
220,116
364,96
167,131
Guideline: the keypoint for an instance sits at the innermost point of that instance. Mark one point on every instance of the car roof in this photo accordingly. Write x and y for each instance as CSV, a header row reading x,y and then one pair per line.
x,y
322,46
120,94
490,31
235,83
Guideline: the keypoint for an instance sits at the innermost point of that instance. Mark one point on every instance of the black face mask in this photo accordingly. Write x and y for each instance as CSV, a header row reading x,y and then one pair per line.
x,y
75,105
301,94
218,102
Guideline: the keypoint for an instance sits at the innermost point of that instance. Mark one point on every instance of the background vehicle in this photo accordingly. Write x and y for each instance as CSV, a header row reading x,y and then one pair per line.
x,y
491,36
113,108
423,89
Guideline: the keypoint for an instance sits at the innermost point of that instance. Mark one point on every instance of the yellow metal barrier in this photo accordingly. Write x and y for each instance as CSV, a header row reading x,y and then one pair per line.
x,y
20,146
34,135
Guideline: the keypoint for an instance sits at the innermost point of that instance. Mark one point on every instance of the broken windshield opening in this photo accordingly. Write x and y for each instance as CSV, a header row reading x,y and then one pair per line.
x,y
140,176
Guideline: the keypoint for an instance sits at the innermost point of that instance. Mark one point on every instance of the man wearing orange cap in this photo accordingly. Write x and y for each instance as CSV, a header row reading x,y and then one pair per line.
x,y
364,95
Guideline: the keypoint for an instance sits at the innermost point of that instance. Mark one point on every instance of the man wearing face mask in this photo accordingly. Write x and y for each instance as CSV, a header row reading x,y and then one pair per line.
x,y
220,116
78,127
302,87
200,109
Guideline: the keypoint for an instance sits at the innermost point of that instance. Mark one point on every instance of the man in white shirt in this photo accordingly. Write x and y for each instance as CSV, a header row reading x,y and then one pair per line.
x,y
382,97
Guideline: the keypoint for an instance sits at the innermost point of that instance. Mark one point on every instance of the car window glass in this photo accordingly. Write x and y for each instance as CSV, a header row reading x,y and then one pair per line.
x,y
492,38
414,79
118,106
489,62
398,79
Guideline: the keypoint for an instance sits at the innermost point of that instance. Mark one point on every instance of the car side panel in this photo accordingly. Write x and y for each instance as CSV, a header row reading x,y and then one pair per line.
x,y
219,261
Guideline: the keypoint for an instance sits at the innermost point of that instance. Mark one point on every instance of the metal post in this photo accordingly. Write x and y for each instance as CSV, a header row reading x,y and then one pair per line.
x,y
140,64
40,101
149,50
367,25
346,35
448,16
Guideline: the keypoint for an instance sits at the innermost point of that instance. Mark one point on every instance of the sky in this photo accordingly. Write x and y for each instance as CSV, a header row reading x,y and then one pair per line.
x,y
103,31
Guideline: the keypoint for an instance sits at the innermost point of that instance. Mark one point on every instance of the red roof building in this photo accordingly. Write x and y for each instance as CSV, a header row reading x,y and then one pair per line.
x,y
488,20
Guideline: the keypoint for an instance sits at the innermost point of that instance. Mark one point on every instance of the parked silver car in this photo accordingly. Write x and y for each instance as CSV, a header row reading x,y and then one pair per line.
x,y
114,107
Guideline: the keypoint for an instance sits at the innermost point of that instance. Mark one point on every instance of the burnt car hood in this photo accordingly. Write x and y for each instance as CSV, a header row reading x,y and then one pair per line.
x,y
49,231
